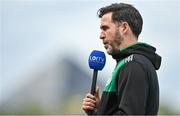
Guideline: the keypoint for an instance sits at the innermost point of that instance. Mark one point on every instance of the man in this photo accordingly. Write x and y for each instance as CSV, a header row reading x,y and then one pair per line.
x,y
133,87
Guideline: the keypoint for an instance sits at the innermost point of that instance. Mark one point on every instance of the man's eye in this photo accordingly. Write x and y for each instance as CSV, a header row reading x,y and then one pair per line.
x,y
104,28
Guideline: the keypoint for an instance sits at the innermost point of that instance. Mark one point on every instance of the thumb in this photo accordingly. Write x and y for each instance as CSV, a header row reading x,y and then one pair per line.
x,y
97,92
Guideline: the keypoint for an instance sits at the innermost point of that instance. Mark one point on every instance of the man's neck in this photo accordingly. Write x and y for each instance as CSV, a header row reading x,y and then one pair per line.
x,y
128,41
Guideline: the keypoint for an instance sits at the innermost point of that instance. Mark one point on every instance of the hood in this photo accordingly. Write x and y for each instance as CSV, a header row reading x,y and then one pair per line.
x,y
142,49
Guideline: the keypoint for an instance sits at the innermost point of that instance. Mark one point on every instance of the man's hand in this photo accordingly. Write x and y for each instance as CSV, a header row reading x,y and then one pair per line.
x,y
91,102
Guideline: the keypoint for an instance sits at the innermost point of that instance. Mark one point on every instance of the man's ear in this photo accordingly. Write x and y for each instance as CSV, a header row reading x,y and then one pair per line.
x,y
124,28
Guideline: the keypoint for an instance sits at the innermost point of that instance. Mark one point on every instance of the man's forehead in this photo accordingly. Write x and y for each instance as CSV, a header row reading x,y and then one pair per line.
x,y
107,17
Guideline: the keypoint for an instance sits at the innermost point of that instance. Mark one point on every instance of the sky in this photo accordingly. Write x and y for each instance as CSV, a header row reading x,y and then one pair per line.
x,y
35,32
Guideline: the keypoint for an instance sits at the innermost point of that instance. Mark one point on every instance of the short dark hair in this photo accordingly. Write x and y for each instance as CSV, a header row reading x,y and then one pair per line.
x,y
124,12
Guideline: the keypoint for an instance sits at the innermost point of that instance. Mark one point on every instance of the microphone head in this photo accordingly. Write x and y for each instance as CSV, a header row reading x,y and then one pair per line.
x,y
97,60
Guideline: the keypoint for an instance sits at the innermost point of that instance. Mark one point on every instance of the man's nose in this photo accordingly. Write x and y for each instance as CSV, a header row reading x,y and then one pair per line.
x,y
102,35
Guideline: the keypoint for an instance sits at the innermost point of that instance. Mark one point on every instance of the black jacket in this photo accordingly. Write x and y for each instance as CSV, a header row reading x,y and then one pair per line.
x,y
133,88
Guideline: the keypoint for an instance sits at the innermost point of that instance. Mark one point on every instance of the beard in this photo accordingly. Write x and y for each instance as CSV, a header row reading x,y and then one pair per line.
x,y
113,48
110,50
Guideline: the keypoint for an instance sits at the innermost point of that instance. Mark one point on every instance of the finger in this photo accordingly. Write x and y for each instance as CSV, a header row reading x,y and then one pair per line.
x,y
89,100
88,103
97,92
86,108
90,96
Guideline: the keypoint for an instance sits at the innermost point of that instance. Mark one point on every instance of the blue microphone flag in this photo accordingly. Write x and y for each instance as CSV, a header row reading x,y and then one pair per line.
x,y
97,60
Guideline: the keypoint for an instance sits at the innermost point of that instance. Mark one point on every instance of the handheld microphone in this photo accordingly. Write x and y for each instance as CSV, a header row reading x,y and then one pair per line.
x,y
97,60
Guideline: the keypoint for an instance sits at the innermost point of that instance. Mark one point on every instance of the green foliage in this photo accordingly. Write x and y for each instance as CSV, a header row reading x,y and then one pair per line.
x,y
28,109
165,110
71,105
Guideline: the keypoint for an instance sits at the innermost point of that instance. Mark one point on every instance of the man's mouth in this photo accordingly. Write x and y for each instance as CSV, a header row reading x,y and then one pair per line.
x,y
106,46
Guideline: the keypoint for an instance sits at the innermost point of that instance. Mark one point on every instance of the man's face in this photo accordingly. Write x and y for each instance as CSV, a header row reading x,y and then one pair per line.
x,y
110,34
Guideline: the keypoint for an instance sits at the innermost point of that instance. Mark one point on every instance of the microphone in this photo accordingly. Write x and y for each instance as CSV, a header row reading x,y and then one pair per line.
x,y
97,60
